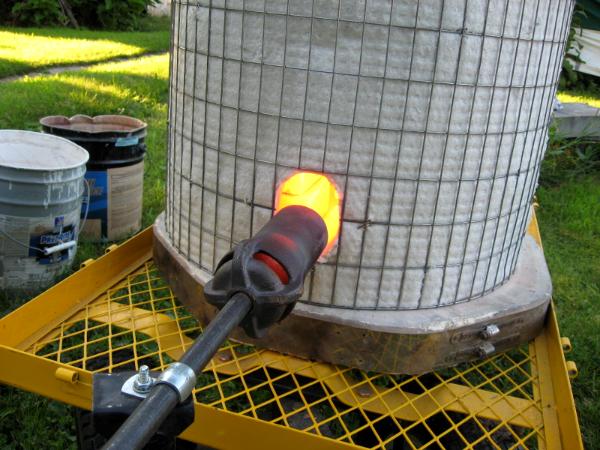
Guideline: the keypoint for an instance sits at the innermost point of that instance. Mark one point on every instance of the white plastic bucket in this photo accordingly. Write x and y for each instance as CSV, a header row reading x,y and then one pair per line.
x,y
41,189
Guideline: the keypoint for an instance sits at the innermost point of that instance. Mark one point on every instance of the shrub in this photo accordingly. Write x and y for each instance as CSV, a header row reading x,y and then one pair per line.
x,y
122,14
37,13
107,14
5,8
111,14
570,77
568,158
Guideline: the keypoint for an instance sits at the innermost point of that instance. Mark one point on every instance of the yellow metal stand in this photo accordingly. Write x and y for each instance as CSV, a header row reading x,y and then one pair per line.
x,y
116,313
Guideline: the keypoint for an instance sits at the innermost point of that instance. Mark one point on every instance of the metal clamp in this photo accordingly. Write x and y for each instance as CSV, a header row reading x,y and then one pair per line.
x,y
180,377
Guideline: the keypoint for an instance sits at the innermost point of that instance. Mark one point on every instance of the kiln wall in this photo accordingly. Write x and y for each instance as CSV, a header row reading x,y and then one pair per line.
x,y
430,116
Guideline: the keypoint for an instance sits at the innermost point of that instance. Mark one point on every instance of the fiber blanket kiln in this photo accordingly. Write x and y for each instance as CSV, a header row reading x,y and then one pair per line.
x,y
430,118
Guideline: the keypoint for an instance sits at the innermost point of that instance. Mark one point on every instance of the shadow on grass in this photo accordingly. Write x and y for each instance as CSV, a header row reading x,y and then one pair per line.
x,y
156,26
10,67
28,421
22,104
24,50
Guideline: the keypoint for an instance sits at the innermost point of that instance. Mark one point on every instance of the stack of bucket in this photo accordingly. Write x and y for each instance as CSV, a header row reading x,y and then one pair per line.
x,y
115,171
48,199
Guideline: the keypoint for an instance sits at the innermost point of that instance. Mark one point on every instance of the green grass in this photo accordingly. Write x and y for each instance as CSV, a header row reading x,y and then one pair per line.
x,y
579,97
137,88
589,95
24,50
28,421
569,216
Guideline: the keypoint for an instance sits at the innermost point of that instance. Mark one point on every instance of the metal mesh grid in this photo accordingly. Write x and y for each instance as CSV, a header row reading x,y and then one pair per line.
x,y
487,404
430,116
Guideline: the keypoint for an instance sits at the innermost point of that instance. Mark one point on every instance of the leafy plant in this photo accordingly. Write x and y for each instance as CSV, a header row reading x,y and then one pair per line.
x,y
568,158
38,13
107,14
569,76
122,14
5,8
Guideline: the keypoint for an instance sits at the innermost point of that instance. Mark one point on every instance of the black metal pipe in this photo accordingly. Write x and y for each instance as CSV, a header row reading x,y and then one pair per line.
x,y
147,418
204,348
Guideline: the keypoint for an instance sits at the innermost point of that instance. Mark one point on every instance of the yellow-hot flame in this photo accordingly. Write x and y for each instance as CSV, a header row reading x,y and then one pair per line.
x,y
317,192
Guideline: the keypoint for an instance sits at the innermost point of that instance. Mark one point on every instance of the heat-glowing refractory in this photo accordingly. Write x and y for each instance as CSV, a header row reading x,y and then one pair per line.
x,y
317,192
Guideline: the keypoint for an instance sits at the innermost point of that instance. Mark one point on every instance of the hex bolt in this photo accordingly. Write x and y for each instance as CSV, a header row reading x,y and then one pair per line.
x,y
490,331
364,391
485,349
143,381
144,375
225,356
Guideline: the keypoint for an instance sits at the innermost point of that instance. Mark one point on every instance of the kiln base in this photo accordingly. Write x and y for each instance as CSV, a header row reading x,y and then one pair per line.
x,y
405,341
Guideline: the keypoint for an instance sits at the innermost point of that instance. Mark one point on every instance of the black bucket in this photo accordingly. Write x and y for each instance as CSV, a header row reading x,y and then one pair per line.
x,y
115,171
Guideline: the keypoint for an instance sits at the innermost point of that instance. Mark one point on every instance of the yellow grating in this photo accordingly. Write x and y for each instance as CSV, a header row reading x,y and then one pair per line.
x,y
491,404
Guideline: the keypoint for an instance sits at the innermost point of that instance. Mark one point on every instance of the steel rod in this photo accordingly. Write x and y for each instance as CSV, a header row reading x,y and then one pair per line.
x,y
201,351
147,418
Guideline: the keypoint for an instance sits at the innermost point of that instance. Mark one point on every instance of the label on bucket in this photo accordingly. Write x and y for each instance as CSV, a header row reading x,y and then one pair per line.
x,y
115,209
59,235
23,265
127,141
95,226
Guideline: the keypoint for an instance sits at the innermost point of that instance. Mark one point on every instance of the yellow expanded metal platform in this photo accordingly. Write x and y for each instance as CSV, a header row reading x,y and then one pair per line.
x,y
116,313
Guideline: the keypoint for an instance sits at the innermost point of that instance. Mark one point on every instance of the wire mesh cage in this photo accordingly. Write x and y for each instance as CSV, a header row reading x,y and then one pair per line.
x,y
431,117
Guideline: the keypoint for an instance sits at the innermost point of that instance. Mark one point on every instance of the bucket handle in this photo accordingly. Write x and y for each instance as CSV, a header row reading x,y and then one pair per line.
x,y
61,245
87,207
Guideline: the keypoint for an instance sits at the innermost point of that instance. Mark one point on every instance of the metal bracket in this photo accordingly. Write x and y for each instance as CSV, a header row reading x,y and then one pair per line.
x,y
179,376
111,405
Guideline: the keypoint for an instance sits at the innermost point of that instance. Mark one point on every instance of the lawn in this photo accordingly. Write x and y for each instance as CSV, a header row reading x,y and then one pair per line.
x,y
137,88
569,216
580,97
24,50
590,94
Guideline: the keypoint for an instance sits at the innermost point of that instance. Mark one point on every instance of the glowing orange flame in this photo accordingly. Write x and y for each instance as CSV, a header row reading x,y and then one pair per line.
x,y
317,192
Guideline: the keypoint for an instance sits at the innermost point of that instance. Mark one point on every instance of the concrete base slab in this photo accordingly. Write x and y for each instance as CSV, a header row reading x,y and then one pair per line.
x,y
575,120
407,341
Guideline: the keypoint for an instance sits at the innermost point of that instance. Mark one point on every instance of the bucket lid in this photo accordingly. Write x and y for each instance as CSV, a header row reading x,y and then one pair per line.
x,y
37,151
94,125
